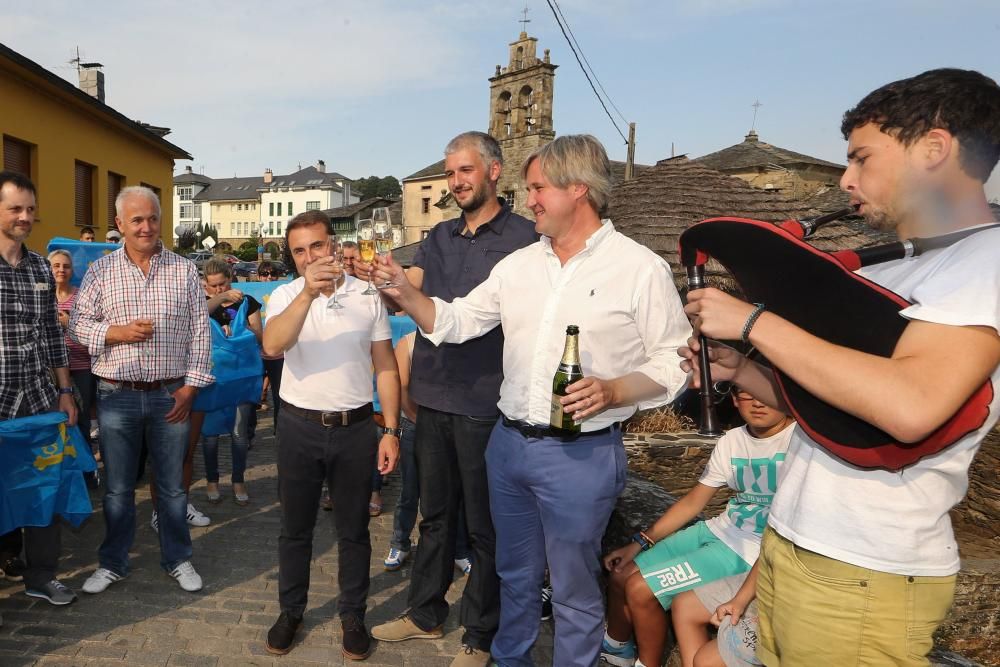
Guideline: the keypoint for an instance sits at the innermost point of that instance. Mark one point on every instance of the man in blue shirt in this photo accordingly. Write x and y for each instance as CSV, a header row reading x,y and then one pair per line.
x,y
456,388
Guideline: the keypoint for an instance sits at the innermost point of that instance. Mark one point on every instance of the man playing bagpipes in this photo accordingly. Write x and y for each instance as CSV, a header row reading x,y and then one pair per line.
x,y
858,564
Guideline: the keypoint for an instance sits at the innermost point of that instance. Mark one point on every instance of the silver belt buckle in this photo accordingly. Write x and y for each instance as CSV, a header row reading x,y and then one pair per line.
x,y
324,415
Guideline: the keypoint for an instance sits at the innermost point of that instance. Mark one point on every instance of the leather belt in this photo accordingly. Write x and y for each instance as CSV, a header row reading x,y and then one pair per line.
x,y
142,386
532,431
331,418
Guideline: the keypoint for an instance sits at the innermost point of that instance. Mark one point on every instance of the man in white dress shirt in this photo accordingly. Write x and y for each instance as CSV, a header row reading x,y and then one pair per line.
x,y
551,494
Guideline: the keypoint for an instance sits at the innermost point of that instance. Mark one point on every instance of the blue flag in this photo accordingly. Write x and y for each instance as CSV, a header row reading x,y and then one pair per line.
x,y
84,254
42,461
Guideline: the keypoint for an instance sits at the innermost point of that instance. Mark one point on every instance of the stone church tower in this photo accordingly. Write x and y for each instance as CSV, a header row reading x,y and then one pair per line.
x,y
521,113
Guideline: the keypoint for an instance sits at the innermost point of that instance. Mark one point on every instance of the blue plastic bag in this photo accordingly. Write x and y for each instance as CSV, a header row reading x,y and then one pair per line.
x,y
219,422
42,461
236,365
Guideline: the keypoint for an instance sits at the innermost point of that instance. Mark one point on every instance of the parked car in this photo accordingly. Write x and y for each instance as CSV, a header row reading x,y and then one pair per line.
x,y
232,259
199,257
246,271
279,267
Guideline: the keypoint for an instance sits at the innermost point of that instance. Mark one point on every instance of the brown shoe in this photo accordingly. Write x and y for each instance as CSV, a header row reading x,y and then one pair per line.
x,y
402,629
471,657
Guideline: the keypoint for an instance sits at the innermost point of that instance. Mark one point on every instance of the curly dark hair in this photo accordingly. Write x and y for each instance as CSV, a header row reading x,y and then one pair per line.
x,y
966,103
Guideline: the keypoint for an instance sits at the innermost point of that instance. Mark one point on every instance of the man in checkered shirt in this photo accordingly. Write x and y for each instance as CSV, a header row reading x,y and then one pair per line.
x,y
141,313
31,343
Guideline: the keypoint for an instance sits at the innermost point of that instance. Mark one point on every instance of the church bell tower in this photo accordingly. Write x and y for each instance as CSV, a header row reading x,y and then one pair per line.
x,y
521,112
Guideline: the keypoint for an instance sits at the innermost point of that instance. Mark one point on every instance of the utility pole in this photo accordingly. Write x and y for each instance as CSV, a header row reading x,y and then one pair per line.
x,y
630,160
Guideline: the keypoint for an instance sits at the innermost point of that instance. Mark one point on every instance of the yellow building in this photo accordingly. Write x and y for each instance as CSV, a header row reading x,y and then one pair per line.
x,y
78,151
421,190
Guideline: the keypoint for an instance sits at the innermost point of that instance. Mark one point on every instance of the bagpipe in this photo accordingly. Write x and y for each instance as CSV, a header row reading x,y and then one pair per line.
x,y
819,292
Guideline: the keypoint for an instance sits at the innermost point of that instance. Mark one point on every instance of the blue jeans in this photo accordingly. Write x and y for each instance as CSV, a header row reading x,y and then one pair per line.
x,y
126,417
240,437
409,498
551,501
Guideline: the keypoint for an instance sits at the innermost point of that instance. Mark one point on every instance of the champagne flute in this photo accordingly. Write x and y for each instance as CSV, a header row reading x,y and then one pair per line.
x,y
337,252
366,248
383,235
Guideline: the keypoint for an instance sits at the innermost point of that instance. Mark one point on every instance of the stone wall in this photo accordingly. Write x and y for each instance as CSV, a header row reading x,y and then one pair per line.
x,y
665,466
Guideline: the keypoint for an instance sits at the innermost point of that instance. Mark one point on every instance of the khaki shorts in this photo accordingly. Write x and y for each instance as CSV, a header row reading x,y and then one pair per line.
x,y
816,610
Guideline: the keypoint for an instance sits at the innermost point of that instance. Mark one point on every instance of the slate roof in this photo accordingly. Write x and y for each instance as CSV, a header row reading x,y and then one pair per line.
x,y
305,178
192,178
351,209
436,169
230,189
654,208
753,153
66,88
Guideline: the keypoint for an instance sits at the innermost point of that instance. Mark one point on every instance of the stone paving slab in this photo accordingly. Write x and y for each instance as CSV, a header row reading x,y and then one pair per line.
x,y
147,619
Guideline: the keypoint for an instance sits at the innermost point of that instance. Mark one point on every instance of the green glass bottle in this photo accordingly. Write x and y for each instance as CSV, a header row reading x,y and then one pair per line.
x,y
569,371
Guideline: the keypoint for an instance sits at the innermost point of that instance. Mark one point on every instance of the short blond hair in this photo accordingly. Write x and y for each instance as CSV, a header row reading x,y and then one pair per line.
x,y
576,159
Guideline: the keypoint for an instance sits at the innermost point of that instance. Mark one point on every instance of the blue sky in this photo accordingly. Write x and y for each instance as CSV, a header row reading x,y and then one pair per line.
x,y
379,87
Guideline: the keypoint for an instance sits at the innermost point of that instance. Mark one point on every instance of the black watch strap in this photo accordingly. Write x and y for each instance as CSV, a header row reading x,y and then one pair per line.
x,y
398,432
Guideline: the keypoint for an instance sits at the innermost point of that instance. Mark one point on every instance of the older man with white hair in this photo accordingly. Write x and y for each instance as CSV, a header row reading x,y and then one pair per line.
x,y
141,313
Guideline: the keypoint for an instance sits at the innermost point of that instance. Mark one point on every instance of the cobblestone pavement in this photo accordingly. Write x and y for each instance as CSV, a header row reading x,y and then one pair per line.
x,y
148,620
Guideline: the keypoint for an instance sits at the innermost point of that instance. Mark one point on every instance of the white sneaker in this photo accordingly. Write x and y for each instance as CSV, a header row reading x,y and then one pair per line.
x,y
395,559
196,518
154,522
187,577
464,564
99,581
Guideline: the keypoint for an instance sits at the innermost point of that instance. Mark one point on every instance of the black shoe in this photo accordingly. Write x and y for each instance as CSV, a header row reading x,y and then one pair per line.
x,y
13,569
281,634
357,641
546,602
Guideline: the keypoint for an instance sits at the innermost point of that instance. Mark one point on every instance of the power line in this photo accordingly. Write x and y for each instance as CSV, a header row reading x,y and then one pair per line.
x,y
584,70
584,56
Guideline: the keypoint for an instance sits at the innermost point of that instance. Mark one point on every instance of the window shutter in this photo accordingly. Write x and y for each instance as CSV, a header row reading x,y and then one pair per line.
x,y
16,156
84,195
116,182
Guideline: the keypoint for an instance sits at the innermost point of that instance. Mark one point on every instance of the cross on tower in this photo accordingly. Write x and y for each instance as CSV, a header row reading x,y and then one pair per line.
x,y
756,105
525,21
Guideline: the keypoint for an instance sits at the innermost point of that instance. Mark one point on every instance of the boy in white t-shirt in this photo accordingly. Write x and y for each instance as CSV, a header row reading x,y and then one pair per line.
x,y
858,566
664,560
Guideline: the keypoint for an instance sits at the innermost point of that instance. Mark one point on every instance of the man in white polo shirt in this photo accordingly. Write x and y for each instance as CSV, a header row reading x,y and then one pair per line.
x,y
327,431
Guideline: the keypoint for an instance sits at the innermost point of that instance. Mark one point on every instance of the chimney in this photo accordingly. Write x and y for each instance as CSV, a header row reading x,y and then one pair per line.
x,y
92,80
268,176
188,169
321,166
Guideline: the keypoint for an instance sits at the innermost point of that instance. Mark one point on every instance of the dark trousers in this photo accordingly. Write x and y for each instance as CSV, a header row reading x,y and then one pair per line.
x,y
86,384
273,369
41,551
343,456
451,466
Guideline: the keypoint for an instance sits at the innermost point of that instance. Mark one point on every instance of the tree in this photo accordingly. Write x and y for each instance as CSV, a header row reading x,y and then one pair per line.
x,y
202,232
186,239
248,251
375,186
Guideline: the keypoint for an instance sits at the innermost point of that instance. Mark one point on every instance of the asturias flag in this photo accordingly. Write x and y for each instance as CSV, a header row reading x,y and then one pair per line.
x,y
42,461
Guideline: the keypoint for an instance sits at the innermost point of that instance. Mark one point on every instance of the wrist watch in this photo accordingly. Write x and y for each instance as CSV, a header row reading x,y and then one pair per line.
x,y
65,390
398,432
